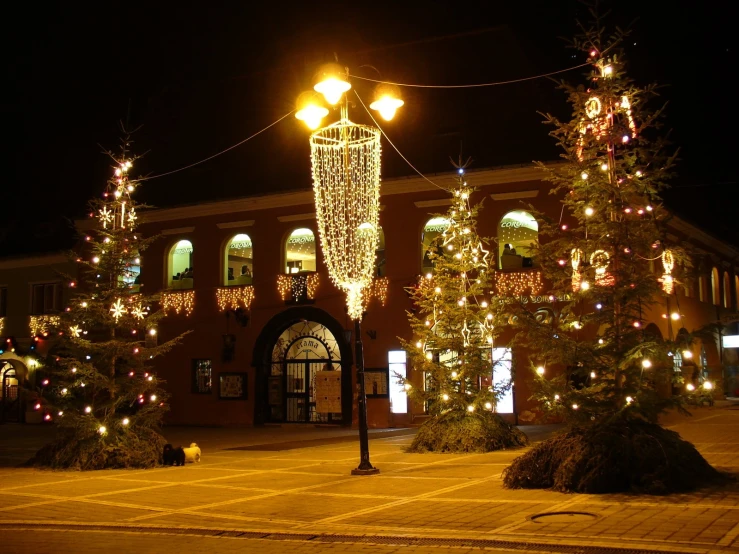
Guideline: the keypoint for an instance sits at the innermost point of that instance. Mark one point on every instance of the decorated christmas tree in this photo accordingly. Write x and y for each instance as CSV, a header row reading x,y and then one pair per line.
x,y
453,324
595,363
99,389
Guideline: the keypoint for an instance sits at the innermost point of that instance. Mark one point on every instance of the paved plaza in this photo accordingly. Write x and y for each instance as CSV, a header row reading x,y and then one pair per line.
x,y
289,490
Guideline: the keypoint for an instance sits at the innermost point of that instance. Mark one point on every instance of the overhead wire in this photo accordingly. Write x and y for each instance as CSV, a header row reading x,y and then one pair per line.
x,y
395,147
477,85
219,153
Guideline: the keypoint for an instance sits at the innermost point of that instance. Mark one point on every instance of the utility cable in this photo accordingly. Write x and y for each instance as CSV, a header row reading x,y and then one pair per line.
x,y
478,85
219,153
395,147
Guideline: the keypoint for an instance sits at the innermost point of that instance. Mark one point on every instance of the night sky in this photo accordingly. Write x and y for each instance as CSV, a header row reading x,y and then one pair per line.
x,y
197,77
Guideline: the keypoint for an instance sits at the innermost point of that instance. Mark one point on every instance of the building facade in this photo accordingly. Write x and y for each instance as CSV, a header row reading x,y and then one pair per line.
x,y
271,341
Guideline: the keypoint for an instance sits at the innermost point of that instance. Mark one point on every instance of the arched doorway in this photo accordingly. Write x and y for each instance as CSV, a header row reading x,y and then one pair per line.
x,y
12,375
289,354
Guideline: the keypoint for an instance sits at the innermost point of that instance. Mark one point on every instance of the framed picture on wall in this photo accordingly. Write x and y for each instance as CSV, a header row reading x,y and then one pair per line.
x,y
376,382
232,386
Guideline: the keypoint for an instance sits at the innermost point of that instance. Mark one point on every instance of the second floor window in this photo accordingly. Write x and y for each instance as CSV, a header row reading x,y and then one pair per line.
x,y
180,265
300,251
517,232
239,261
431,231
46,298
3,301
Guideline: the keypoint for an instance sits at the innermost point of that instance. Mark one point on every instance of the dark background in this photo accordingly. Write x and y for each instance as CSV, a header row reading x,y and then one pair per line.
x,y
198,77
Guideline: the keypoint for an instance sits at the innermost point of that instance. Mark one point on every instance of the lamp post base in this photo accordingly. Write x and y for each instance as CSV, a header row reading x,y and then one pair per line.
x,y
371,471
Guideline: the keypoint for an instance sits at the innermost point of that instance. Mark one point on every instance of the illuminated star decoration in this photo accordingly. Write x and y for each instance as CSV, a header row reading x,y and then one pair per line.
x,y
131,217
75,331
118,309
106,216
138,312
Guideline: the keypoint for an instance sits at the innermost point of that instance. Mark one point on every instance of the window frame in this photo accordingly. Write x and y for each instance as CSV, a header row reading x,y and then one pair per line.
x,y
194,388
501,243
224,279
169,274
396,391
56,295
286,241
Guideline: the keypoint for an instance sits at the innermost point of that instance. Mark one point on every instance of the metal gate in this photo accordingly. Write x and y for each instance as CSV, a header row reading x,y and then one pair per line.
x,y
300,400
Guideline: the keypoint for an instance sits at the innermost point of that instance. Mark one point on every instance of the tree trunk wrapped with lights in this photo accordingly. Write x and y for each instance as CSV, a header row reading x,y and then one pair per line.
x,y
100,390
346,182
597,367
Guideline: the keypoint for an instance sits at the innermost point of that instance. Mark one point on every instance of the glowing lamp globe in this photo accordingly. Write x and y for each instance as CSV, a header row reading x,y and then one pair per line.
x,y
309,110
387,101
332,82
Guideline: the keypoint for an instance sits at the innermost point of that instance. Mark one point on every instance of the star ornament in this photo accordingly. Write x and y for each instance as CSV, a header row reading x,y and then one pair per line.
x,y
132,217
106,216
75,331
139,312
118,309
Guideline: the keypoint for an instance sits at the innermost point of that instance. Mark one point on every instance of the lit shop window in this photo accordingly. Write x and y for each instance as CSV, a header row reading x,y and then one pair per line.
x,y
502,365
180,265
518,232
239,261
300,251
431,231
397,366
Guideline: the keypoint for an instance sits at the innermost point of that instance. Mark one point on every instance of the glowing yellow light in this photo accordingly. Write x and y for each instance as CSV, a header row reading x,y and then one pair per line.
x,y
153,332
556,397
437,290
419,344
592,375
102,430
589,211
575,407
646,364
604,167
629,400
332,82
95,260
234,297
668,262
687,354
429,355
454,374
470,408
407,386
42,324
88,409
608,70
675,316
387,106
309,110
118,309
429,276
690,387
707,385
584,176
125,421
179,301
483,304
75,331
445,397
153,397
297,285
517,283
540,370
584,285
488,405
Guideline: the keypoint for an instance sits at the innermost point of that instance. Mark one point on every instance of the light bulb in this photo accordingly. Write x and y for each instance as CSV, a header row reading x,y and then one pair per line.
x,y
419,344
387,106
437,290
88,409
584,285
707,385
484,304
445,397
470,408
488,405
675,316
125,421
646,364
556,397
407,386
454,374
589,211
592,375
584,176
604,167
690,387
540,370
429,355
153,397
687,354
629,400
102,430
575,407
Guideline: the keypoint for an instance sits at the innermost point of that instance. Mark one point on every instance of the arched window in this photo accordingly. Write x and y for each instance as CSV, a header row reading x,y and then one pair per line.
x,y
702,292
736,290
380,254
517,232
715,287
239,261
434,228
300,251
179,266
727,290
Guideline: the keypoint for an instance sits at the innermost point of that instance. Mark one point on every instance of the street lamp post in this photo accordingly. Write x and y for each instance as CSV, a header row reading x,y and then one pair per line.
x,y
345,161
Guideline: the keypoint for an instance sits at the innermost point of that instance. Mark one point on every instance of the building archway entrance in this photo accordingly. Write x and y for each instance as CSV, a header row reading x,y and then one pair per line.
x,y
11,405
304,365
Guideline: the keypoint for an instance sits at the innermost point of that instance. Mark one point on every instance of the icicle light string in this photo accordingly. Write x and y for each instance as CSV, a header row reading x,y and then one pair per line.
x,y
478,85
219,153
395,147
